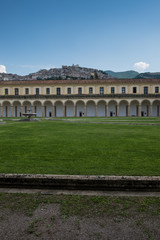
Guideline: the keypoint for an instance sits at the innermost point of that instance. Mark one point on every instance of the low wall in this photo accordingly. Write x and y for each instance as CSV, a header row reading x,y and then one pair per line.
x,y
80,182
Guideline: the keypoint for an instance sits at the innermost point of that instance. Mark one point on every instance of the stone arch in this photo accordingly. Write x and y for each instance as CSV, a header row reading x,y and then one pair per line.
x,y
91,108
6,109
59,109
48,109
145,108
123,108
69,108
80,108
101,108
37,108
156,108
134,106
16,109
112,108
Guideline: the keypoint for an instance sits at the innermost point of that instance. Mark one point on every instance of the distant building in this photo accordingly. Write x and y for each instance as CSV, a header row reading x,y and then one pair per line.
x,y
80,98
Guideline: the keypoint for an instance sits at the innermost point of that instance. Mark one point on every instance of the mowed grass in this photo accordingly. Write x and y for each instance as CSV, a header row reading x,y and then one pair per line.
x,y
58,147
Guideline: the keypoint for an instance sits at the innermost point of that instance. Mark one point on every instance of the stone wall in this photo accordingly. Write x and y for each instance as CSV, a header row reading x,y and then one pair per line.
x,y
80,182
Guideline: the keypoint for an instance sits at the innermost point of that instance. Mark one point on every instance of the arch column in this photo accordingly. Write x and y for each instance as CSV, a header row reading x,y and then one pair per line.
x,y
43,111
11,110
158,111
21,113
96,110
54,111
64,110
85,110
75,110
2,111
150,110
128,110
139,110
117,110
106,110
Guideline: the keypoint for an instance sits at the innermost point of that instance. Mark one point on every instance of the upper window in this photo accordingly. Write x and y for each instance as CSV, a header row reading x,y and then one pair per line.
x,y
16,91
37,91
58,91
123,90
90,90
69,90
145,90
26,91
79,90
156,89
134,90
6,91
101,90
47,90
112,90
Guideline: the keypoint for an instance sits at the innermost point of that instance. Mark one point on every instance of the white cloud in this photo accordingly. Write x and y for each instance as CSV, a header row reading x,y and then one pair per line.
x,y
2,69
141,66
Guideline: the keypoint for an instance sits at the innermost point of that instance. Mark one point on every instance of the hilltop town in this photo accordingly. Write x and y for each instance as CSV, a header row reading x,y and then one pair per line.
x,y
66,72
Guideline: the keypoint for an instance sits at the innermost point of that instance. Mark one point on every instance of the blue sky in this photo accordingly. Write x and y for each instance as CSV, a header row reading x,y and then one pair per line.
x,y
103,34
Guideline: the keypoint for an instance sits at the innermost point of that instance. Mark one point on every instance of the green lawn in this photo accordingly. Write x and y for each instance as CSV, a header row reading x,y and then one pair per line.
x,y
59,147
114,119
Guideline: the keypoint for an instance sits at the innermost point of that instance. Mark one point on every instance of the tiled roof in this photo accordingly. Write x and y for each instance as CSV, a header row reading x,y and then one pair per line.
x,y
86,81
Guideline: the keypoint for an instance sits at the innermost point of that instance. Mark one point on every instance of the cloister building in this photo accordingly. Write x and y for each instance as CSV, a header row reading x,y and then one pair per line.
x,y
80,98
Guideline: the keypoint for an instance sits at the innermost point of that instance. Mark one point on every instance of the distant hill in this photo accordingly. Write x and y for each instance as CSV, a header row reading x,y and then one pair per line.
x,y
76,72
126,74
148,75
66,72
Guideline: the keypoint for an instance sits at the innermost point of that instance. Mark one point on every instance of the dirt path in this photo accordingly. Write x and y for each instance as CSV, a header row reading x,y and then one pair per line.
x,y
81,193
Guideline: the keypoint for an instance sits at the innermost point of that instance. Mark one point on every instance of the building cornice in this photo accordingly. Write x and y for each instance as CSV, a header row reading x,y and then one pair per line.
x,y
81,96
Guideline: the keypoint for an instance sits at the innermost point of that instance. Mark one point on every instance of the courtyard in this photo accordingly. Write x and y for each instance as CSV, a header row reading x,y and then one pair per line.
x,y
85,146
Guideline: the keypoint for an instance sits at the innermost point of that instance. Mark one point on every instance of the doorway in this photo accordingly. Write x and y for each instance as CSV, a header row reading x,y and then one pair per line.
x,y
80,114
111,114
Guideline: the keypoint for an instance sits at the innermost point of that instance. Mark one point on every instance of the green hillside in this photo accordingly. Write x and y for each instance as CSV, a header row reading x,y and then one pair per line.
x,y
126,74
149,75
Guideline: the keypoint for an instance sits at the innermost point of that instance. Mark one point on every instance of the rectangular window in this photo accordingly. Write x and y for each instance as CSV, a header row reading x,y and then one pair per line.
x,y
79,90
156,89
145,90
134,90
47,90
16,91
123,90
26,91
112,90
6,91
69,90
58,91
101,90
37,91
90,90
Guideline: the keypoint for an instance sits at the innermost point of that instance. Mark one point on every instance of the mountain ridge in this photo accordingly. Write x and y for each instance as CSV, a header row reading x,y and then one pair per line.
x,y
76,72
